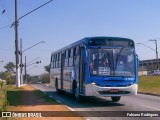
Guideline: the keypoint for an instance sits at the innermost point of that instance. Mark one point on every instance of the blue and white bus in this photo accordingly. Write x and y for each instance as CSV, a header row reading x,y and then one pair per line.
x,y
96,66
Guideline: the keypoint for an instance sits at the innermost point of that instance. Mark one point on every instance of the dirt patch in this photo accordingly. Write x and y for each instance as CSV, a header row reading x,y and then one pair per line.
x,y
33,102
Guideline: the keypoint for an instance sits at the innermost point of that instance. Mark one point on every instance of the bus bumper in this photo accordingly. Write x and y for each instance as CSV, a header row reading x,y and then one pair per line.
x,y
94,90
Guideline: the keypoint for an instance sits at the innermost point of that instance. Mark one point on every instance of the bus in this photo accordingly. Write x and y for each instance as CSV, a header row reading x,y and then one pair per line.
x,y
96,66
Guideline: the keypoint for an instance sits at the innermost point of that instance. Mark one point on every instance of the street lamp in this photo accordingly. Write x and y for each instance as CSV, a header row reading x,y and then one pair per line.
x,y
21,54
153,50
156,52
33,60
28,70
31,68
33,45
29,64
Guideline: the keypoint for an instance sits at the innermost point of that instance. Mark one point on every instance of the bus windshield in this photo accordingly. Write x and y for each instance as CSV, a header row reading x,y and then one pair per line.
x,y
112,62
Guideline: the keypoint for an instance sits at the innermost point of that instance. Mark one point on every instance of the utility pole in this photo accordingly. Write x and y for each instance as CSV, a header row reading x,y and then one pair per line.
x,y
21,64
156,53
16,47
25,71
16,39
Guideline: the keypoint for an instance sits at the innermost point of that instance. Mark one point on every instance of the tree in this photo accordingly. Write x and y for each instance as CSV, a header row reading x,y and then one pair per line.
x,y
47,68
8,74
10,67
45,78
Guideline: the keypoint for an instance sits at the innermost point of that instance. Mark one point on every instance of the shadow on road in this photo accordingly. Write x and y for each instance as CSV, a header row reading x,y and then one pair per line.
x,y
88,101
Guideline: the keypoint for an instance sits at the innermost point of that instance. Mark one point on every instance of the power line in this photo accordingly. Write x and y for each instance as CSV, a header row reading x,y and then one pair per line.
x,y
2,4
5,8
9,15
35,9
11,25
7,26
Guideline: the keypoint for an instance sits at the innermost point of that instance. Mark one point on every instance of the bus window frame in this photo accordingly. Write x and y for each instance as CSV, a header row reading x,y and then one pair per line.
x,y
70,57
66,59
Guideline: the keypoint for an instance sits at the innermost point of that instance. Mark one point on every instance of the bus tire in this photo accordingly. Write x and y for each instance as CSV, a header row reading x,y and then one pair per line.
x,y
77,96
56,86
116,98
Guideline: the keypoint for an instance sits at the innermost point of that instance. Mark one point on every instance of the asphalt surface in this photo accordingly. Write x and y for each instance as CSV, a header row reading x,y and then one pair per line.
x,y
104,106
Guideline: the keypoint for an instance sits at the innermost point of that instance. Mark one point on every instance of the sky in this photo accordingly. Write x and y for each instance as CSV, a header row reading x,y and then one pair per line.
x,y
63,22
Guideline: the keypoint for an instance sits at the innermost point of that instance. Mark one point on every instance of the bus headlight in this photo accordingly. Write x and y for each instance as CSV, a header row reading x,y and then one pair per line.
x,y
93,83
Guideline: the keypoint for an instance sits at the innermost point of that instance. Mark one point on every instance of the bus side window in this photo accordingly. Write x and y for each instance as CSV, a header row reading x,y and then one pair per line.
x,y
74,51
59,60
77,51
66,59
51,61
74,55
76,59
55,58
70,53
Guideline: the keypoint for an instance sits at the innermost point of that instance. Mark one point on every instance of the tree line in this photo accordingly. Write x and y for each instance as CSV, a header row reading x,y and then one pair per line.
x,y
9,74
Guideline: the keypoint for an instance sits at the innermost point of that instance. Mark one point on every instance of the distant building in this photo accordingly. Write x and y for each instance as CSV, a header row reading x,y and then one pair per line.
x,y
148,66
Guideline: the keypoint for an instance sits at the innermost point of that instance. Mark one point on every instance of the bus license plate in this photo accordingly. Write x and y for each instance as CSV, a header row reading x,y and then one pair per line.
x,y
114,90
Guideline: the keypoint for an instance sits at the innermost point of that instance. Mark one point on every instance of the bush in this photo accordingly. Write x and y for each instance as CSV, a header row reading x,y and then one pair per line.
x,y
45,78
1,84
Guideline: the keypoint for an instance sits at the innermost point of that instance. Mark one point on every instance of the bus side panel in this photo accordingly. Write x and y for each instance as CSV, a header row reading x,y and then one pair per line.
x,y
55,74
67,78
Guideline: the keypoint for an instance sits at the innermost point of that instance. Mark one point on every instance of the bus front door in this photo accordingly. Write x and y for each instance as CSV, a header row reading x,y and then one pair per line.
x,y
82,70
62,68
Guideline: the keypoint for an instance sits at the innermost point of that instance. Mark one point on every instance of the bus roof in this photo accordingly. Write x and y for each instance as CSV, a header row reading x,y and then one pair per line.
x,y
85,41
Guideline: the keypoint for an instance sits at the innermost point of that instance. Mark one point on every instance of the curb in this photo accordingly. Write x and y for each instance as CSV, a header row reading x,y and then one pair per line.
x,y
149,94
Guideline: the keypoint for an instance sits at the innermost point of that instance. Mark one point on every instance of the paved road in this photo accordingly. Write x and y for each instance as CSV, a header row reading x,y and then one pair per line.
x,y
127,103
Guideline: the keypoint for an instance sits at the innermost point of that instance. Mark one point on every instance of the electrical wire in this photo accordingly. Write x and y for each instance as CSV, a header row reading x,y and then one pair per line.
x,y
8,13
35,9
25,14
7,26
6,10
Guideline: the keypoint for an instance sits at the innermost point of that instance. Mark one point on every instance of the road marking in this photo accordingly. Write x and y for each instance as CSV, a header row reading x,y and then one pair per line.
x,y
150,107
47,84
58,101
70,108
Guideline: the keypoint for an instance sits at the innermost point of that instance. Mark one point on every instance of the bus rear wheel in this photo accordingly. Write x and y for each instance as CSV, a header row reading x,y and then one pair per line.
x,y
56,86
116,99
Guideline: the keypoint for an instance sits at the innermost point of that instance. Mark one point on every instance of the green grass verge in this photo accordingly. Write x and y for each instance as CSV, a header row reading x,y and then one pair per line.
x,y
149,84
16,96
3,96
45,97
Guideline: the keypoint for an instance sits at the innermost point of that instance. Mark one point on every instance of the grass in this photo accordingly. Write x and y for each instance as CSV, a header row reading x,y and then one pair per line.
x,y
149,84
17,96
40,94
3,97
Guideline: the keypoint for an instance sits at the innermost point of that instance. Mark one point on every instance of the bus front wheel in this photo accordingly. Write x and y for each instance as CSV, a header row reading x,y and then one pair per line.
x,y
116,99
76,94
